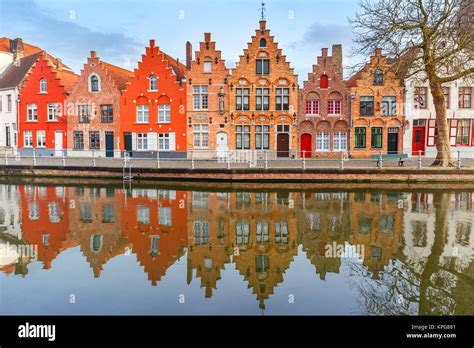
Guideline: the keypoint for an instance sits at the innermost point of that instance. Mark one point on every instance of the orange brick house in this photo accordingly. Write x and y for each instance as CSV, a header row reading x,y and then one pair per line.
x,y
207,101
42,120
377,109
94,102
324,114
153,107
263,98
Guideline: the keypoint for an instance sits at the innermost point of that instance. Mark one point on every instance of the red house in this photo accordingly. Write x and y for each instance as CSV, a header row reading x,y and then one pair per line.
x,y
153,107
41,119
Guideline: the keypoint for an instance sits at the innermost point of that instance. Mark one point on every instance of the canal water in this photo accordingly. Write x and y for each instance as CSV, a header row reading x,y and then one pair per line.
x,y
88,249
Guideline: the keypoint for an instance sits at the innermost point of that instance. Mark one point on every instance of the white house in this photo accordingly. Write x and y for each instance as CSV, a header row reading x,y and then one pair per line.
x,y
420,128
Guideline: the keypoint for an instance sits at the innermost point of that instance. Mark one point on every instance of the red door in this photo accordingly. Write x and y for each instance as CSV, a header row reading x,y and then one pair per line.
x,y
418,142
305,145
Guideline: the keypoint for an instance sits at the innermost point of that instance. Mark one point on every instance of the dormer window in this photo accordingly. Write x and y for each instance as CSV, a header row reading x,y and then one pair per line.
x,y
94,85
263,42
207,66
153,83
43,88
378,77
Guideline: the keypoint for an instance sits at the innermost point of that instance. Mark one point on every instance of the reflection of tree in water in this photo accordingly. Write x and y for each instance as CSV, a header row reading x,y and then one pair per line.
x,y
401,290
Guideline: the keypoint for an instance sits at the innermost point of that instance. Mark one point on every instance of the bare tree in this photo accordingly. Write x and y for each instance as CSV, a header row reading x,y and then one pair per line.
x,y
431,38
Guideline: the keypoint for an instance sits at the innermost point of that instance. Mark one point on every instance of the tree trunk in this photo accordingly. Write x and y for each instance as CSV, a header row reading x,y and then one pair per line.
x,y
443,146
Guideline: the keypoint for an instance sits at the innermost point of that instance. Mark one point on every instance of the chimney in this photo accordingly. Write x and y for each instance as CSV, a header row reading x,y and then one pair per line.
x,y
207,37
337,57
189,55
324,52
16,47
93,54
378,52
262,25
152,43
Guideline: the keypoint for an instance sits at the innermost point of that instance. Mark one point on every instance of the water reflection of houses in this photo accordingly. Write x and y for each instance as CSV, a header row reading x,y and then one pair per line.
x,y
263,227
96,223
323,219
208,237
154,221
377,220
45,220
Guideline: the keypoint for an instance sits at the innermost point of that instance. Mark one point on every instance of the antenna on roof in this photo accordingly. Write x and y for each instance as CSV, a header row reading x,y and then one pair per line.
x,y
262,11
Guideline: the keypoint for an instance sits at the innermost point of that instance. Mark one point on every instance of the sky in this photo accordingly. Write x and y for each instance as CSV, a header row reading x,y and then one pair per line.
x,y
119,30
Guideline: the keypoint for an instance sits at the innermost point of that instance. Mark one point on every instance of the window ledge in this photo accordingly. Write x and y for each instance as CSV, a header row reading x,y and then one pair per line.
x,y
163,122
152,90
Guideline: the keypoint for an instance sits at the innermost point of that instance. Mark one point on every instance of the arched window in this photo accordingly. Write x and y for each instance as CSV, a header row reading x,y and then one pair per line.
x,y
263,42
43,88
153,83
207,66
378,77
96,243
324,81
94,83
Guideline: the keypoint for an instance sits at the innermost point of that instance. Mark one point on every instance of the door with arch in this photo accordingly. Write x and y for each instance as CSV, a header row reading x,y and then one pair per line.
x,y
222,145
305,145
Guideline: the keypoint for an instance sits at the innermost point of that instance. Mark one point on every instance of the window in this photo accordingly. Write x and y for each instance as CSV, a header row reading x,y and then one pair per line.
x,y
262,265
242,200
9,102
200,199
43,87
386,224
1,103
242,232
242,99
33,211
465,97
262,137
447,98
263,42
324,81
142,113
377,137
84,115
106,113
378,77
282,99
281,232
52,112
262,100
389,106
143,214
359,140
463,132
367,106
108,213
283,128
201,232
94,140
242,137
41,138
421,94
154,251
164,114
78,140
142,141
95,83
54,213
340,141
32,112
334,106
200,97
263,66
164,216
164,141
28,138
207,66
153,83
312,107
85,212
322,141
262,232
201,135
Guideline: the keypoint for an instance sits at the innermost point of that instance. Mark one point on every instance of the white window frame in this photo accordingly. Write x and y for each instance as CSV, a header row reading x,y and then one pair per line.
x,y
340,141
32,112
200,97
142,141
164,217
322,141
164,141
200,136
142,113
52,112
40,138
150,86
43,86
207,66
164,113
28,135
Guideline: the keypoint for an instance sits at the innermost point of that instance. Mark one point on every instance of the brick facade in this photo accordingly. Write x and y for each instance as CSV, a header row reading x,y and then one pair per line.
x,y
103,104
153,114
264,69
324,112
380,115
207,101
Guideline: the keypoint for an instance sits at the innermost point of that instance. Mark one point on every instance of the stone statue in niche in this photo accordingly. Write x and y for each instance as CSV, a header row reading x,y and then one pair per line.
x,y
221,95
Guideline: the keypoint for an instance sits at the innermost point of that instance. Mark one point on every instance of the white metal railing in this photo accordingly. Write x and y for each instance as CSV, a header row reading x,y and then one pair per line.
x,y
211,159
